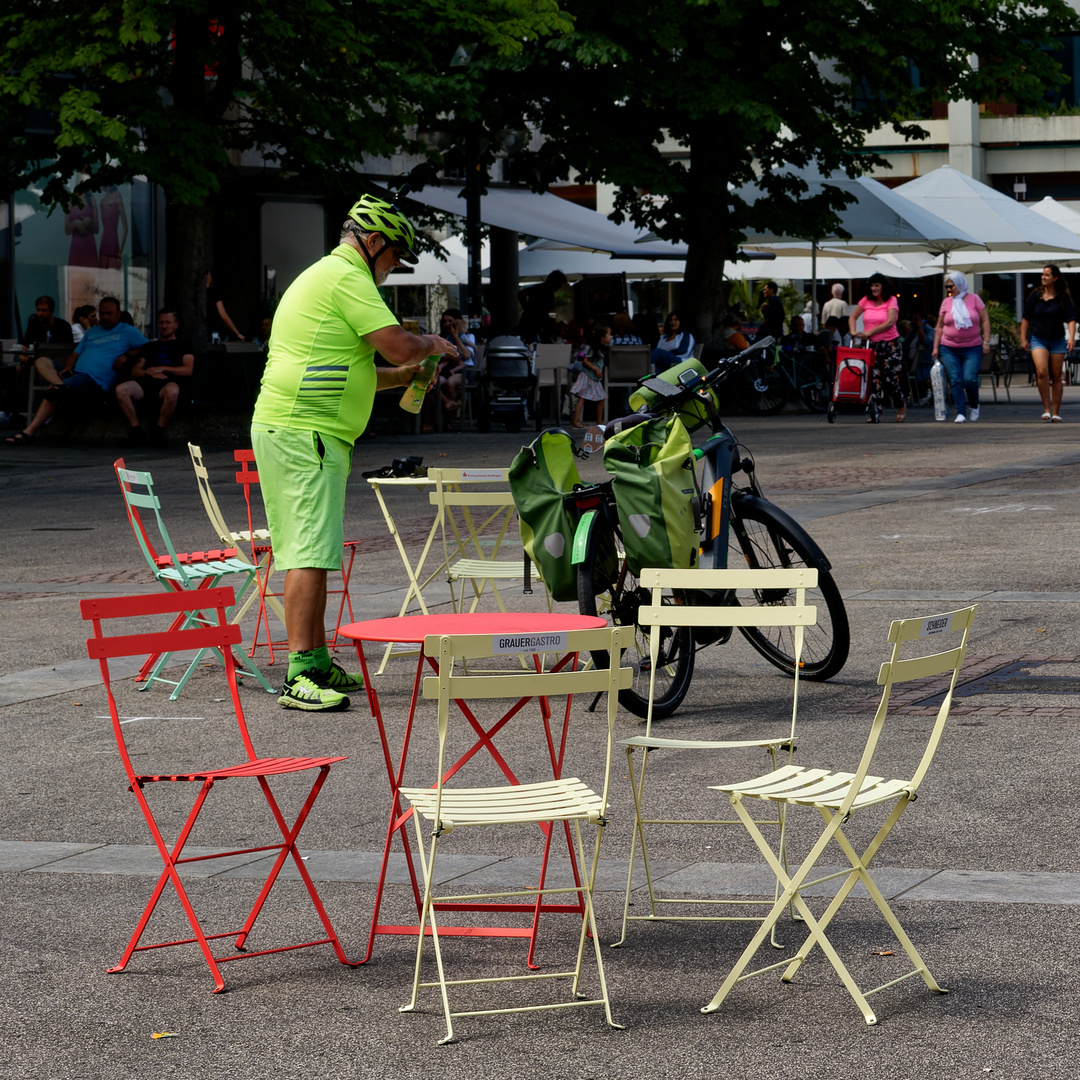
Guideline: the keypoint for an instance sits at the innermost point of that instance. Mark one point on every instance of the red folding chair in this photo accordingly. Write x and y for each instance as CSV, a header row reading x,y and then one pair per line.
x,y
220,636
247,477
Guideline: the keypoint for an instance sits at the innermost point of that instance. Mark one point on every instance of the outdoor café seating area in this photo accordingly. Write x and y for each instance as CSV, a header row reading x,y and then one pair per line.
x,y
467,659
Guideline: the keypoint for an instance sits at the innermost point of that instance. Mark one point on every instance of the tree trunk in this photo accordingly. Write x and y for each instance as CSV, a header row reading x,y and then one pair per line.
x,y
704,287
188,230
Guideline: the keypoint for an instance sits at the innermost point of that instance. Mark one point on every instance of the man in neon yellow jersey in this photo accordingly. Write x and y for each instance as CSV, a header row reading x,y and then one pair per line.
x,y
314,403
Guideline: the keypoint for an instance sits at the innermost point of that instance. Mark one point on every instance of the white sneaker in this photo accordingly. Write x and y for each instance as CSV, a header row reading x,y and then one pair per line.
x,y
973,415
960,419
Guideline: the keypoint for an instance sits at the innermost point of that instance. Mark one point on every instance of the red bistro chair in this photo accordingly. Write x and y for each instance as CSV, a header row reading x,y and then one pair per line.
x,y
221,636
247,477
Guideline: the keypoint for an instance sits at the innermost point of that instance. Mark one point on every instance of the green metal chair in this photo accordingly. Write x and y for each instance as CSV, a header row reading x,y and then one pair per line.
x,y
181,572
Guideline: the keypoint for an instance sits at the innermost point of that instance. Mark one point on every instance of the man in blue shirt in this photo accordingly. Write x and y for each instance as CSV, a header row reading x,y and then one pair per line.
x,y
90,370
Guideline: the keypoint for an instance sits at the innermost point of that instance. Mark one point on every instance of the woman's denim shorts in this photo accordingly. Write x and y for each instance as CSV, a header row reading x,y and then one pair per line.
x,y
1051,347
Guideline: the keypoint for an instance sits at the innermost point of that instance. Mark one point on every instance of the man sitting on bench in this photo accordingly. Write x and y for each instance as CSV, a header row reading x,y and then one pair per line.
x,y
90,370
163,370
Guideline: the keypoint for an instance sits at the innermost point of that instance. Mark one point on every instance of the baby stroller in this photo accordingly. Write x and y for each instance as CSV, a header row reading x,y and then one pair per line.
x,y
853,384
507,385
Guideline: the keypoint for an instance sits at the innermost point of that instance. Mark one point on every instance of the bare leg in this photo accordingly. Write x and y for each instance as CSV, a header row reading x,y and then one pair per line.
x,y
45,410
305,609
127,393
578,406
1041,359
170,395
600,412
1057,381
47,370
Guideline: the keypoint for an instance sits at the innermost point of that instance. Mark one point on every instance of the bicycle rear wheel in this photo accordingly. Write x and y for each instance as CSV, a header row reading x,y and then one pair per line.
x,y
813,389
763,537
619,601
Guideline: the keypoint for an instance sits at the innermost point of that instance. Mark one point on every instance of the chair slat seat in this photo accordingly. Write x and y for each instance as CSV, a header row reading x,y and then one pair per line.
x,y
643,742
477,570
555,800
261,767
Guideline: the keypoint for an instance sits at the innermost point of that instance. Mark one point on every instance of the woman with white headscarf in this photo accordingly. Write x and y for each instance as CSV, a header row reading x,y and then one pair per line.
x,y
961,337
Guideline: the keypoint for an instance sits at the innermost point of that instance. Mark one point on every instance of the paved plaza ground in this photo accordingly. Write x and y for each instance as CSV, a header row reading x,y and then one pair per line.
x,y
916,518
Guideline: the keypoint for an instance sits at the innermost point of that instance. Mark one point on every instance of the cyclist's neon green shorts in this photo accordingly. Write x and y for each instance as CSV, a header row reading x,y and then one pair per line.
x,y
302,476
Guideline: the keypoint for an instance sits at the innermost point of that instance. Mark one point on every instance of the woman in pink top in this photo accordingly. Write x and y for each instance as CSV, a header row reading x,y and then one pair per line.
x,y
880,311
961,336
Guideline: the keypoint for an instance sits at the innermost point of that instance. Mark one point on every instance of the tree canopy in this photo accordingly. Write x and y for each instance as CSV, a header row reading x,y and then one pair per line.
x,y
176,91
679,102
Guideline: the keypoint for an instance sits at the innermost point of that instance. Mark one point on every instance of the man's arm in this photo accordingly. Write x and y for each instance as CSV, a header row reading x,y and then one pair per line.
x,y
386,378
397,346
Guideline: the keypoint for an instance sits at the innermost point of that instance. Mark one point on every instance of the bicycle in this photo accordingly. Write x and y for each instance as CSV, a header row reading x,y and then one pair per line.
x,y
769,380
734,518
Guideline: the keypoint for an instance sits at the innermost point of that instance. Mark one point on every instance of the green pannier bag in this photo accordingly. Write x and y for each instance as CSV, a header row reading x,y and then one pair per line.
x,y
656,494
540,475
693,413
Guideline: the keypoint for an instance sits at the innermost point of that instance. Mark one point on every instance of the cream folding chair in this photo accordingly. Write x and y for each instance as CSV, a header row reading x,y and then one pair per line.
x,y
474,534
563,799
259,540
841,796
659,617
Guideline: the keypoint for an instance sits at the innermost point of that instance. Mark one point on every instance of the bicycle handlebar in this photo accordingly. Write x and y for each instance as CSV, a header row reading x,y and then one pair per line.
x,y
671,395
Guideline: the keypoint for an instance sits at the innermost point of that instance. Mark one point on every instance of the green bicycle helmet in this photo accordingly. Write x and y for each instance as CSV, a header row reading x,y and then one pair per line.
x,y
377,215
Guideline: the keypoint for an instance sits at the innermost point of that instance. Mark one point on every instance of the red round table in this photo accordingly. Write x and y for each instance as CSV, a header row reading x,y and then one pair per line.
x,y
407,629
523,633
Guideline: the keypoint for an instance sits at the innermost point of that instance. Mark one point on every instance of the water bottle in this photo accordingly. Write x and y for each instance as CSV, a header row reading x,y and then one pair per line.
x,y
413,398
937,386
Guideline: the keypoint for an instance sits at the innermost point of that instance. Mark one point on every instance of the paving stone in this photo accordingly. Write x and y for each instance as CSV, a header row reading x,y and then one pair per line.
x,y
1011,887
139,859
748,879
362,866
18,855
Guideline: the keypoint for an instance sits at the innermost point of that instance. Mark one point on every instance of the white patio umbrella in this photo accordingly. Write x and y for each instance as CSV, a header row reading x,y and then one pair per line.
x,y
452,269
1000,223
878,221
999,262
1057,212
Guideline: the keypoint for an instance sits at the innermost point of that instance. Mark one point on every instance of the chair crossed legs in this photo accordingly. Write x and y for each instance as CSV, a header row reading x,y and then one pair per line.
x,y
217,634
839,797
786,590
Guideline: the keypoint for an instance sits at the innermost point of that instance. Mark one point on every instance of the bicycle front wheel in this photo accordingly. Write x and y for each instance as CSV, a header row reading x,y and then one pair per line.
x,y
760,388
618,597
765,537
